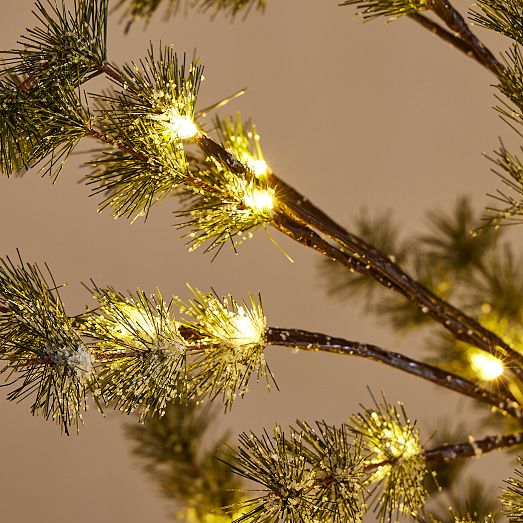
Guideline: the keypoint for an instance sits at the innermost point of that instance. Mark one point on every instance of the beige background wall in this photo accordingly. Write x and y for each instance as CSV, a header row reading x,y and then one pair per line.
x,y
354,115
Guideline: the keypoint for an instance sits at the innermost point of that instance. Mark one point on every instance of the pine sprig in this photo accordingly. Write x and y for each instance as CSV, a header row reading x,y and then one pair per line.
x,y
397,457
391,9
512,497
48,119
143,352
454,240
230,8
188,470
302,473
232,341
66,46
502,16
509,168
145,9
284,474
18,135
226,207
43,351
231,190
60,121
338,462
511,81
148,118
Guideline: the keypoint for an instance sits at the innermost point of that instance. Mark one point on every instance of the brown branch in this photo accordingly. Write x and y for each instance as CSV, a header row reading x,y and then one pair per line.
x,y
112,73
473,447
451,38
454,21
313,341
379,266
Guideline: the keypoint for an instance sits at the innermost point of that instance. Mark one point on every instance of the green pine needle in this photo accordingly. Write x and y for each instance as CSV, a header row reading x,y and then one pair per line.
x,y
502,16
42,350
512,497
188,469
509,168
311,476
232,341
455,241
392,9
68,45
511,81
396,454
143,118
49,120
143,352
18,135
134,10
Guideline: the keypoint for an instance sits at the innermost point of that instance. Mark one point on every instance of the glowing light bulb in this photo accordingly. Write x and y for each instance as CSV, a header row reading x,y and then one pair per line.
x,y
182,126
246,330
259,200
137,320
487,367
259,167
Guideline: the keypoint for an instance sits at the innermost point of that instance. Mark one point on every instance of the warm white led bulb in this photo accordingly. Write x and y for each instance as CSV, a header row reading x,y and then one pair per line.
x,y
487,367
258,167
259,200
182,126
246,331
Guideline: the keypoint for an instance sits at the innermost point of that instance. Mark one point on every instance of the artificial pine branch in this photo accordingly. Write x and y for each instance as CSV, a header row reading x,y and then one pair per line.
x,y
188,469
132,352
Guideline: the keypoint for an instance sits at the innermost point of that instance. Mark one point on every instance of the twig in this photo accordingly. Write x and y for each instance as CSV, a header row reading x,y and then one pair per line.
x,y
383,269
313,341
473,447
452,39
455,22
112,73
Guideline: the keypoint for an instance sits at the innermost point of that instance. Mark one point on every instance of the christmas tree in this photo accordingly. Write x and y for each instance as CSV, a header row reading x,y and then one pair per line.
x,y
166,358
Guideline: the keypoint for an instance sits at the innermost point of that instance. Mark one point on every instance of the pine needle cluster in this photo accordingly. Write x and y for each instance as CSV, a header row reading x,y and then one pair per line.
x,y
186,464
42,114
391,9
41,349
512,497
310,475
135,10
133,352
397,458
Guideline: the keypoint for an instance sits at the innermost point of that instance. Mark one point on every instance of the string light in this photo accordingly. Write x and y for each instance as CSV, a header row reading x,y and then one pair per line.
x,y
176,124
259,200
183,127
257,165
248,331
487,367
